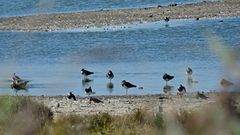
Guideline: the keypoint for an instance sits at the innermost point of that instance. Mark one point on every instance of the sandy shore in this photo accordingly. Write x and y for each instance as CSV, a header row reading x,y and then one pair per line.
x,y
52,22
120,105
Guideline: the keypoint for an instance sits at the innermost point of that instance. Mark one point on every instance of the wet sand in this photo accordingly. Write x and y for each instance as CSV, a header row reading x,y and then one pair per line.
x,y
60,21
121,105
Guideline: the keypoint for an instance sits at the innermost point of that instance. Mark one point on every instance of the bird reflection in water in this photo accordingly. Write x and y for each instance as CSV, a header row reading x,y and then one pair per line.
x,y
17,90
167,88
86,82
190,80
110,87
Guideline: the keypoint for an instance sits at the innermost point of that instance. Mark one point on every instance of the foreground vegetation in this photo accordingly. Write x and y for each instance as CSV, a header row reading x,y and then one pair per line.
x,y
20,115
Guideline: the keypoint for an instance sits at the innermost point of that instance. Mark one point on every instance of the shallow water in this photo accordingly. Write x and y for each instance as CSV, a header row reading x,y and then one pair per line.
x,y
29,7
140,54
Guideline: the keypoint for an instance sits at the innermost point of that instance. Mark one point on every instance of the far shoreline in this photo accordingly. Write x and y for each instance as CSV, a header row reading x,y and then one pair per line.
x,y
102,18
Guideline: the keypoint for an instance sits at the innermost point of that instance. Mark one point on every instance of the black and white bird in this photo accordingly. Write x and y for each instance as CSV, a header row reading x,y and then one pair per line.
x,y
127,85
71,96
181,90
167,77
86,72
95,100
89,91
189,72
166,19
225,83
19,84
110,75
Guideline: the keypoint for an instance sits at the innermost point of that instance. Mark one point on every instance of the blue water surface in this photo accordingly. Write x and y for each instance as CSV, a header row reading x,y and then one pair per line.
x,y
139,53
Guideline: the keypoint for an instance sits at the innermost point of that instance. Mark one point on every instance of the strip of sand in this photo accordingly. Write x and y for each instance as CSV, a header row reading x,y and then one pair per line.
x,y
60,21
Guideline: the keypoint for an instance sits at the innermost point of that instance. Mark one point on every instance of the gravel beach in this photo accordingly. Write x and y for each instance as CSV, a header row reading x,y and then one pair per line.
x,y
121,105
61,21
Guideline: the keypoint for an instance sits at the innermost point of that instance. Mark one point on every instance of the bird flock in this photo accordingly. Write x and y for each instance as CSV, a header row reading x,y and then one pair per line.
x,y
19,83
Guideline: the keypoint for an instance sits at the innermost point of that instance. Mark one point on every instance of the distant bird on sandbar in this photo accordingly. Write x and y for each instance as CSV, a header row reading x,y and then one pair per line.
x,y
189,72
19,84
225,83
86,72
71,96
110,75
167,77
127,85
95,100
181,90
166,19
201,95
89,91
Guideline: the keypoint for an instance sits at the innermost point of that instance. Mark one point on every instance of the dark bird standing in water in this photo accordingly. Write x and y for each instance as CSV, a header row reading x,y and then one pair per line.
x,y
71,96
89,90
127,85
110,75
86,72
181,90
167,77
95,100
225,83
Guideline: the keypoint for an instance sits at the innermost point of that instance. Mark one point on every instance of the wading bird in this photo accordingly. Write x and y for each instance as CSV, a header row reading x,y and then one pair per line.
x,y
127,85
89,91
166,19
167,77
86,72
181,90
110,75
19,84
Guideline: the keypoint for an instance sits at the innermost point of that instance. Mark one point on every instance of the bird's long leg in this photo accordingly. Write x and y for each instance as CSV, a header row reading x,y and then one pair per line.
x,y
89,99
126,91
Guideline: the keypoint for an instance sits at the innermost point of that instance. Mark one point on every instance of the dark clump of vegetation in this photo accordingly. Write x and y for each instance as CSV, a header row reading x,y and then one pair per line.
x,y
20,115
101,124
159,121
138,122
